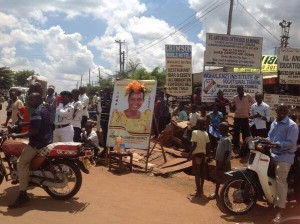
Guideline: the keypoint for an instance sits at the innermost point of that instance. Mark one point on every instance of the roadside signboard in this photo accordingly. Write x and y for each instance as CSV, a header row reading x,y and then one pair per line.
x,y
289,65
268,65
273,100
233,51
227,82
179,81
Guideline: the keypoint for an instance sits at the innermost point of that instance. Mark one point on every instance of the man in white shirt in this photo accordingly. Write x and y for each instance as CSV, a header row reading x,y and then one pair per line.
x,y
260,115
64,131
77,116
85,101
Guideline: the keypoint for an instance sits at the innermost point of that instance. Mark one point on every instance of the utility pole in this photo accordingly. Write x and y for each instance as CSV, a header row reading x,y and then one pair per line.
x,y
225,69
99,76
89,76
121,55
230,17
123,61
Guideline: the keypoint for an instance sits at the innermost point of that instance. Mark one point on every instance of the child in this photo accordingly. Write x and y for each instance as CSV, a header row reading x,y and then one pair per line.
x,y
193,116
200,146
182,115
90,138
203,114
223,155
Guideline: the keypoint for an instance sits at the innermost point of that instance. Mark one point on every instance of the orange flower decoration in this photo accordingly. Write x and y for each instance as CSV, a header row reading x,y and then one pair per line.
x,y
136,87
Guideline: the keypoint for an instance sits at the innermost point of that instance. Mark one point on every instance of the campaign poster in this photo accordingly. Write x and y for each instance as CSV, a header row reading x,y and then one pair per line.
x,y
227,82
131,113
179,81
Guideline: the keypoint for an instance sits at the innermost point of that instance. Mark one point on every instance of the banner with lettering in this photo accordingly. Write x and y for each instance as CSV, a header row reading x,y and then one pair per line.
x,y
227,82
179,81
268,64
289,66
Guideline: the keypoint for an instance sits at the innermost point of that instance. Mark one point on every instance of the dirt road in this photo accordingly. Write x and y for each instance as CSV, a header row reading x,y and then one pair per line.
x,y
129,198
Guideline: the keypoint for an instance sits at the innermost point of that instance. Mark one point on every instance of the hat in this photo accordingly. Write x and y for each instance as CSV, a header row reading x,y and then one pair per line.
x,y
51,87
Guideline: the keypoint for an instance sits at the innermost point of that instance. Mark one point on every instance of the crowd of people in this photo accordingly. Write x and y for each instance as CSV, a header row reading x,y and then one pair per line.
x,y
207,134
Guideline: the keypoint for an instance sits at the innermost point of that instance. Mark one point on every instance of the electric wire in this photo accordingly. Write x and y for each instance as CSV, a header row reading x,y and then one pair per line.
x,y
243,7
180,26
186,26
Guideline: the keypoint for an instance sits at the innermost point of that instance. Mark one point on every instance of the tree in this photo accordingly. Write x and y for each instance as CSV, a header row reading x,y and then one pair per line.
x,y
20,77
104,84
156,74
6,78
160,76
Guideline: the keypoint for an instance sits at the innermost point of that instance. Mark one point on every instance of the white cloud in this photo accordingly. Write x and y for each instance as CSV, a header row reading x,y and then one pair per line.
x,y
63,56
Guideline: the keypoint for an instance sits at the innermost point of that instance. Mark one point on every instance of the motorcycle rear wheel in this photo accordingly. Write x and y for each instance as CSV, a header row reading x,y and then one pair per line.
x,y
238,196
74,181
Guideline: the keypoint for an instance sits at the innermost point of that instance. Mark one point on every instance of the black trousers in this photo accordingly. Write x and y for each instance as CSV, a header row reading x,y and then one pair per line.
x,y
240,125
83,121
77,132
259,132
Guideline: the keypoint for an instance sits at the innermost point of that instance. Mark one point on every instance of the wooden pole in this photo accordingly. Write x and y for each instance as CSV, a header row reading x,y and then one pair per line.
x,y
149,152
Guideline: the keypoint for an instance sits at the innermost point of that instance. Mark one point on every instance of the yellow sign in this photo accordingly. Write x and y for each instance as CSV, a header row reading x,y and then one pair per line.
x,y
268,64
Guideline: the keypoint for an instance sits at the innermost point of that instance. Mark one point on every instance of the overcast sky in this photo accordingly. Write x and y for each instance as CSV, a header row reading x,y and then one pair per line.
x,y
63,39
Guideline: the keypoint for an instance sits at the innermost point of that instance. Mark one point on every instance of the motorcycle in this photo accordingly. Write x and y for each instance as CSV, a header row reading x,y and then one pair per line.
x,y
58,173
256,182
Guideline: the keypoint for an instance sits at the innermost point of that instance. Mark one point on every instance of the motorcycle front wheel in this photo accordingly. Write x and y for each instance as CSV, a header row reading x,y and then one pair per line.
x,y
74,177
238,196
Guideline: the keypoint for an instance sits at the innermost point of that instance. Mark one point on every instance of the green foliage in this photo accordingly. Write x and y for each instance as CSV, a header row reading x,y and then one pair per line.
x,y
155,74
104,84
6,78
20,77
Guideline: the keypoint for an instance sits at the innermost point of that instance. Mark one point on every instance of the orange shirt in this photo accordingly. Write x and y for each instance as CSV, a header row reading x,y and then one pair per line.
x,y
242,106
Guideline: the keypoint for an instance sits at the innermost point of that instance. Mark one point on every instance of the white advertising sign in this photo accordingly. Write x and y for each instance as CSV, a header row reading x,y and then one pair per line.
x,y
179,81
289,65
233,51
227,82
273,100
